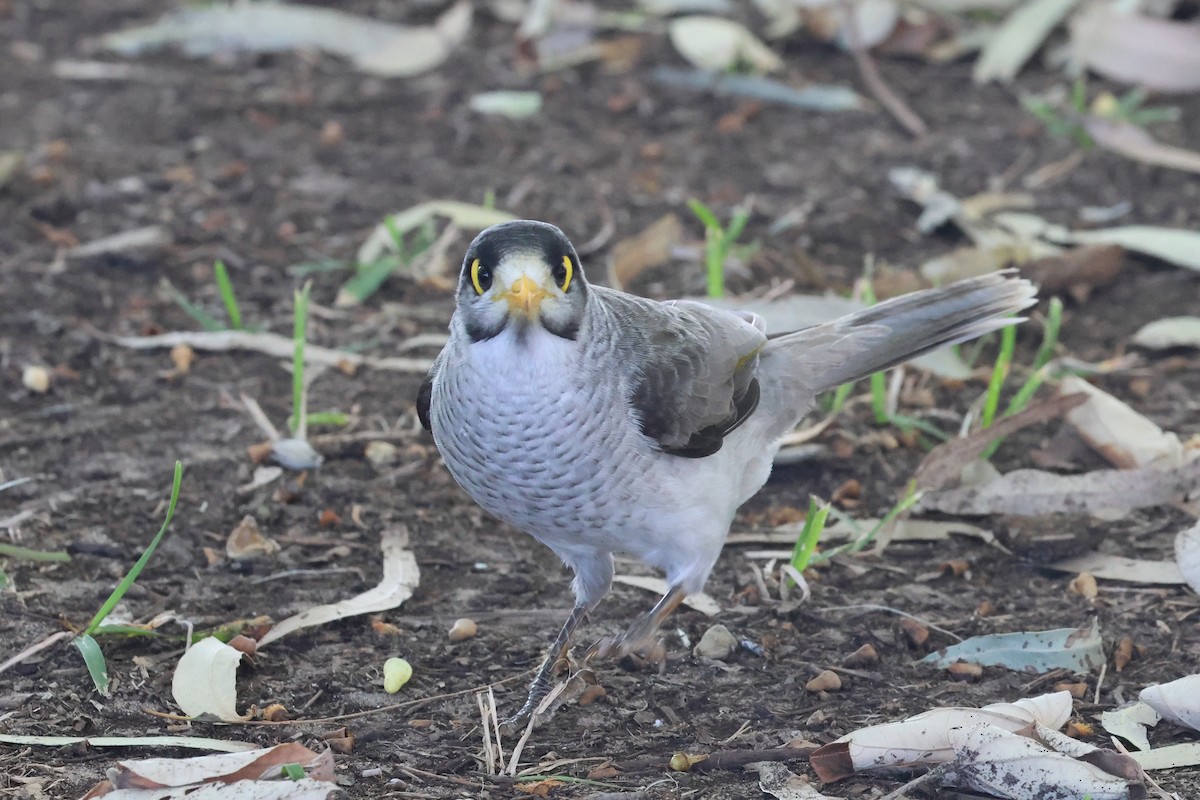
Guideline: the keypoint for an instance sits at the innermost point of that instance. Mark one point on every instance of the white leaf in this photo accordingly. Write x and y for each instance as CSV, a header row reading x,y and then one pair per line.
x,y
1163,334
1187,556
1169,757
1001,763
1119,568
718,44
1158,54
400,577
1117,432
925,737
1130,723
190,742
701,602
1018,39
418,50
780,782
464,215
1174,245
1177,701
205,681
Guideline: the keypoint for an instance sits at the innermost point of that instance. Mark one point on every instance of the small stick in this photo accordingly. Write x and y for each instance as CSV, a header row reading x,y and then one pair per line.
x,y
869,73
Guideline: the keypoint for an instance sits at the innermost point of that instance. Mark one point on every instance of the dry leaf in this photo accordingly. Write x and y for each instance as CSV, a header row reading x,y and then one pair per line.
x,y
1177,701
1077,271
719,44
647,249
1187,556
1158,54
1163,334
1018,39
1134,142
400,577
246,541
205,681
701,602
1114,430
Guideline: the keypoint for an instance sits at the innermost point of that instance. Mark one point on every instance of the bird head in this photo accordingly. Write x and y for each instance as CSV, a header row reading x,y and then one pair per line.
x,y
521,274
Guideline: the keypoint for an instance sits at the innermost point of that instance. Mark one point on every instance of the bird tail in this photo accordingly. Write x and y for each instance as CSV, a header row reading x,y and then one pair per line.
x,y
817,359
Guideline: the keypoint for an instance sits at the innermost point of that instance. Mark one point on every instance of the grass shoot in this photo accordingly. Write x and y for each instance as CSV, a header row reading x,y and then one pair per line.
x,y
85,642
719,242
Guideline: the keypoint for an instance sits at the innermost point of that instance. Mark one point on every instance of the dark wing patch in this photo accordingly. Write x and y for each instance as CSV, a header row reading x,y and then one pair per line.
x,y
707,441
692,370
424,401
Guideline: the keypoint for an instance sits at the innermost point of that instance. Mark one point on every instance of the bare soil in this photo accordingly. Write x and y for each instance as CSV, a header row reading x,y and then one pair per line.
x,y
227,156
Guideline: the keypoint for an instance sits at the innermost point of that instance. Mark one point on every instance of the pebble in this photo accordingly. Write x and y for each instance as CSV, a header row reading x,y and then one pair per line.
x,y
463,629
717,643
826,681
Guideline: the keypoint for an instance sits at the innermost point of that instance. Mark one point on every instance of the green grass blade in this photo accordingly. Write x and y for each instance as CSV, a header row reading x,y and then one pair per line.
x,y
225,287
705,214
93,657
369,277
736,226
137,568
206,321
911,496
3,580
1050,338
879,397
297,422
840,395
333,419
1008,343
715,261
814,526
24,553
293,772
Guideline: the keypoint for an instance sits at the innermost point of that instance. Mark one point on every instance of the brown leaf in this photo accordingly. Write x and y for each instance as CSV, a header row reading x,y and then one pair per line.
x,y
649,248
832,762
944,463
1123,654
1125,138
246,541
1077,271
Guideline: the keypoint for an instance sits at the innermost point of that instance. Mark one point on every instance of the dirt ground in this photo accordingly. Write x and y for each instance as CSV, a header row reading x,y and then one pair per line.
x,y
227,155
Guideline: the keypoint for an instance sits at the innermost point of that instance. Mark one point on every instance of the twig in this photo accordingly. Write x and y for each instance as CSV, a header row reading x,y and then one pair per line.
x,y
869,73
271,344
721,759
934,774
35,648
890,610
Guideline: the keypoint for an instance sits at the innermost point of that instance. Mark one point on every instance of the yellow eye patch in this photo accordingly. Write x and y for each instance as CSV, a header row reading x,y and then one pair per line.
x,y
481,278
567,273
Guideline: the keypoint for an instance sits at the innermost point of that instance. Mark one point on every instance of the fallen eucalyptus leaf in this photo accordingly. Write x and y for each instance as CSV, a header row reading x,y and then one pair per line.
x,y
1163,334
1159,54
1177,701
1075,649
1130,723
718,44
1018,39
205,681
513,105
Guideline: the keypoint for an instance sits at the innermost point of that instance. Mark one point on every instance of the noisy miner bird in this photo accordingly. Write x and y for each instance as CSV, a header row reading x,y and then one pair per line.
x,y
601,422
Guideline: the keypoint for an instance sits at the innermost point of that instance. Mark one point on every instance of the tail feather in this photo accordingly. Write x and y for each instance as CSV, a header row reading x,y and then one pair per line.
x,y
884,335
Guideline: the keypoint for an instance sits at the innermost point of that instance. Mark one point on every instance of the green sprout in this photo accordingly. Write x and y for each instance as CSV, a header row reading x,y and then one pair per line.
x,y
719,242
1065,118
225,289
407,246
297,422
86,642
814,526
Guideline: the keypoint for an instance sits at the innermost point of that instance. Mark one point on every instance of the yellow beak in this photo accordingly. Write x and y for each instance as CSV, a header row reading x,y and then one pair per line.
x,y
524,296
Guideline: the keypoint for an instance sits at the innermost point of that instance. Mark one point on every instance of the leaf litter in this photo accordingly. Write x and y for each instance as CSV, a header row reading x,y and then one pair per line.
x,y
1074,649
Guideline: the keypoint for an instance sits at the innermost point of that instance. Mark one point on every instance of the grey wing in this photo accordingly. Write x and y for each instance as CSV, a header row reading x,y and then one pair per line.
x,y
425,395
692,372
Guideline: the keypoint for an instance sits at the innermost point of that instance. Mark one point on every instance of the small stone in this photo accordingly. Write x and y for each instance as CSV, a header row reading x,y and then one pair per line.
x,y
965,672
463,629
36,379
1084,584
864,656
916,633
826,681
182,356
381,454
717,643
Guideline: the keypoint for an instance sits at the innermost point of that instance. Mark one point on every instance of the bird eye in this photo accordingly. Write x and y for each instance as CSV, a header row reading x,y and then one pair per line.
x,y
481,277
564,272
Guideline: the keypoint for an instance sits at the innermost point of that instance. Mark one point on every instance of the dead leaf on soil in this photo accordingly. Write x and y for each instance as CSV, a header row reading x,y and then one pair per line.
x,y
205,681
1104,493
649,248
1106,566
153,236
1114,430
943,465
1077,271
253,775
186,742
925,738
1022,765
1169,332
719,44
373,46
780,782
1158,54
467,216
702,602
400,577
1074,649
1130,723
246,541
1177,701
1022,33
1169,757
1134,142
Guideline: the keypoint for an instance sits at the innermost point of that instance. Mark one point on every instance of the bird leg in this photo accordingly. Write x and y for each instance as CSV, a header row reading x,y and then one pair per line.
x,y
540,687
641,633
